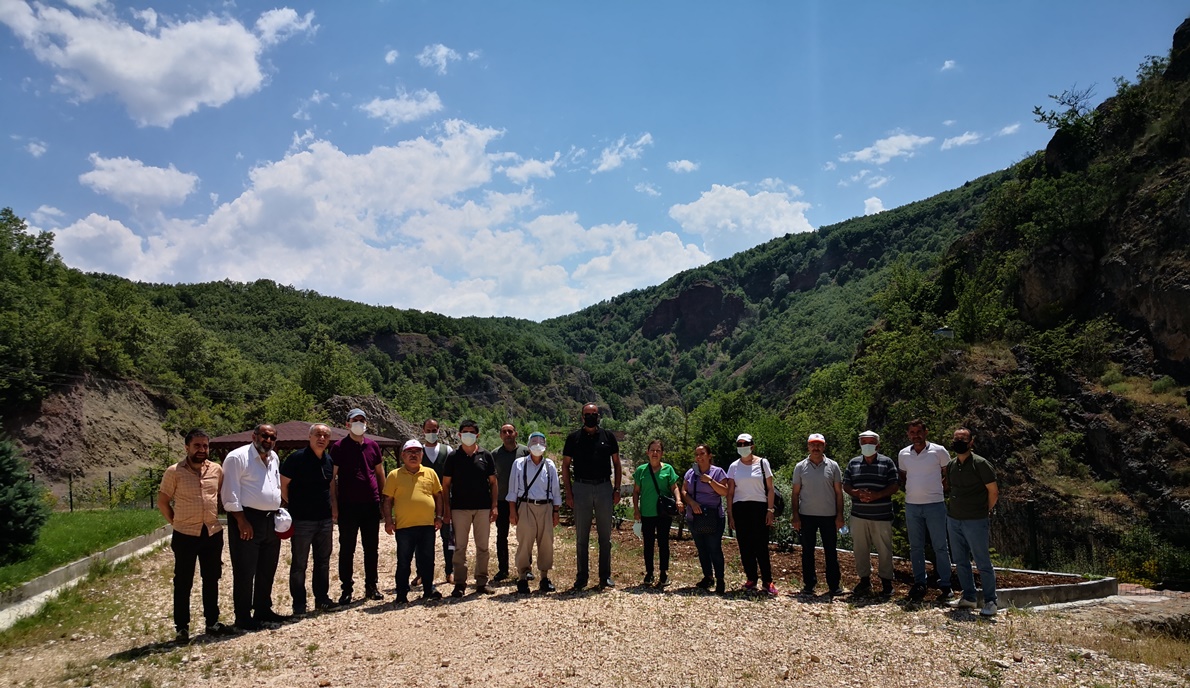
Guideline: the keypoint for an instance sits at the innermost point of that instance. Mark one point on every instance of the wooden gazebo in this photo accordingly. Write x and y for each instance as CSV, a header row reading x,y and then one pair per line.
x,y
294,435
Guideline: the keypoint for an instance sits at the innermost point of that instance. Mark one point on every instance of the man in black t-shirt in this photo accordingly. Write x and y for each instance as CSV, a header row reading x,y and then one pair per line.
x,y
507,453
306,487
591,476
469,480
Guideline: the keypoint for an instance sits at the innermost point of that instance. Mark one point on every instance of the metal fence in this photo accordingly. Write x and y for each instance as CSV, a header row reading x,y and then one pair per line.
x,y
135,491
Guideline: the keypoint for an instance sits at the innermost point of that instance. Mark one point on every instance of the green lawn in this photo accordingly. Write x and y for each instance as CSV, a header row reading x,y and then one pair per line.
x,y
68,537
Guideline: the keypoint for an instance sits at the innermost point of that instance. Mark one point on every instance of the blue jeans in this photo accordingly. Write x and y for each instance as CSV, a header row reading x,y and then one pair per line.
x,y
307,535
710,552
415,542
918,519
969,538
597,499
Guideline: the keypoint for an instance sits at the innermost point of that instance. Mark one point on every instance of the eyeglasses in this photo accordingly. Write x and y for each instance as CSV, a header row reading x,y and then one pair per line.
x,y
270,438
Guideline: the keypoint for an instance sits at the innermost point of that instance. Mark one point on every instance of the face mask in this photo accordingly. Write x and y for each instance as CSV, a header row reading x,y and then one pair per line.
x,y
744,451
431,437
961,446
537,449
867,449
358,429
591,420
468,438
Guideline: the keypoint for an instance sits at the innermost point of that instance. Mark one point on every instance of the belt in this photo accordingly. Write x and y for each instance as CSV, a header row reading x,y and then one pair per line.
x,y
592,481
538,501
266,512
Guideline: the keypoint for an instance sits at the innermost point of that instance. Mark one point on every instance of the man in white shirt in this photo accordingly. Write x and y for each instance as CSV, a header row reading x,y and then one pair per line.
x,y
251,496
434,457
923,467
534,502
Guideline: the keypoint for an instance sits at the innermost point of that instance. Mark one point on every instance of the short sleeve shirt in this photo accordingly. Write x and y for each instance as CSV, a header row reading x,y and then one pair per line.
x,y
923,473
874,476
195,494
309,484
413,496
357,462
968,482
469,486
504,460
749,480
702,493
817,496
667,477
591,454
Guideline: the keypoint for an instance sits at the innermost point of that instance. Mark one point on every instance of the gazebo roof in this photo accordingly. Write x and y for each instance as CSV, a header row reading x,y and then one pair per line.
x,y
292,435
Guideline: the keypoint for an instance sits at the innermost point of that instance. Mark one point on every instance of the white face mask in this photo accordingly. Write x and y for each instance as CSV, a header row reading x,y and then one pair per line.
x,y
468,438
536,449
744,451
431,438
358,429
867,449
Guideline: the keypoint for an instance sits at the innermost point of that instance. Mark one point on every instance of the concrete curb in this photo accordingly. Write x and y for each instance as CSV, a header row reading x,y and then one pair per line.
x,y
1042,595
27,599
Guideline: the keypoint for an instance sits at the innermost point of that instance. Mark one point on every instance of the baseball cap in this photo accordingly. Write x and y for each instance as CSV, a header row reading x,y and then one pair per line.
x,y
744,437
816,437
283,524
356,412
412,444
869,433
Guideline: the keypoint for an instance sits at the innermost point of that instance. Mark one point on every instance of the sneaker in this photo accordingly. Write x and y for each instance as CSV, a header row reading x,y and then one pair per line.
x,y
945,595
864,588
345,598
648,579
606,583
545,586
770,590
705,583
917,592
522,587
837,592
485,589
431,596
221,629
530,576
458,591
500,575
182,637
326,605
373,594
720,587
989,609
663,580
750,586
577,587
886,588
807,591
963,603
249,625
271,616
298,613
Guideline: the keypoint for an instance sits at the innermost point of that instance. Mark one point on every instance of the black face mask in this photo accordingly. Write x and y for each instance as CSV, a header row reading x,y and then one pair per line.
x,y
960,446
591,420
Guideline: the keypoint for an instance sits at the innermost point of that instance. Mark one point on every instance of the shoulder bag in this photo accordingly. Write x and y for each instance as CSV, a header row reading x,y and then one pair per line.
x,y
666,505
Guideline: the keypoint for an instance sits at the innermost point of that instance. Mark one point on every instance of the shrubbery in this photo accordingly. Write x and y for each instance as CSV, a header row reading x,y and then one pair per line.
x,y
23,508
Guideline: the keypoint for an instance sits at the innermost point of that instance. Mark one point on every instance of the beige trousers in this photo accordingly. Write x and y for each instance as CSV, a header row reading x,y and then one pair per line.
x,y
866,534
535,524
464,522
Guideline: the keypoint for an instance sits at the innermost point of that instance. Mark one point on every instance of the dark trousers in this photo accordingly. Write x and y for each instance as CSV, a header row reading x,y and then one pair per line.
x,y
253,564
811,527
362,521
752,535
415,543
447,534
207,551
656,528
317,536
710,552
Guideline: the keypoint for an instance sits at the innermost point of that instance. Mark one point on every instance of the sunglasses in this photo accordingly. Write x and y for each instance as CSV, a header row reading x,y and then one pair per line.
x,y
270,438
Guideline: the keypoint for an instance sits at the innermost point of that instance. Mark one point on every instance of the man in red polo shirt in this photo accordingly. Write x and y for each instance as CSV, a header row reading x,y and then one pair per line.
x,y
355,504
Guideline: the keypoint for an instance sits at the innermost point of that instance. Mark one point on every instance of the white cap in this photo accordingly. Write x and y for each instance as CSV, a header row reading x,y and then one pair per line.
x,y
869,433
816,437
412,444
744,437
283,523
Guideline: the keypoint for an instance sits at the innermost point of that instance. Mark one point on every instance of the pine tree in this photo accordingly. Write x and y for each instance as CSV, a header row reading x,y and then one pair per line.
x,y
23,511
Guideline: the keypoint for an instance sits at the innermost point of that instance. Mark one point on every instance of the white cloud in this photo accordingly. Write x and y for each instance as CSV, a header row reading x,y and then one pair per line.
x,y
47,216
948,123
730,219
523,170
277,25
405,107
1010,129
474,55
681,166
650,260
838,137
829,167
647,188
36,148
160,73
391,56
968,138
136,184
437,56
614,155
948,65
895,146
303,111
873,205
878,181
779,185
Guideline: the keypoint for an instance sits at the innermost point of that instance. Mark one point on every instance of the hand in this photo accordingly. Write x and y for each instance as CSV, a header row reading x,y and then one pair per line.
x,y
334,514
615,494
388,528
704,478
492,516
512,517
796,522
570,500
680,505
636,513
731,522
555,518
445,518
696,508
838,522
768,519
437,524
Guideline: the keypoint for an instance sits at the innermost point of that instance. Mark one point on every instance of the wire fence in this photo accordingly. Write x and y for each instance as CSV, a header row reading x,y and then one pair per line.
x,y
137,490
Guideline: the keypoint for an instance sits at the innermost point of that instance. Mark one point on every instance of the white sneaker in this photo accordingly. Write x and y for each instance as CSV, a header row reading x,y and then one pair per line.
x,y
989,609
963,603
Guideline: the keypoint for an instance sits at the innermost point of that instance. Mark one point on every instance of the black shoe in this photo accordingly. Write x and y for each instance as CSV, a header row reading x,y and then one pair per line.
x,y
886,588
401,599
663,580
530,576
299,613
807,591
485,589
705,583
249,625
837,592
606,583
578,585
373,594
327,605
500,575
271,617
345,598
863,588
182,637
945,595
648,579
458,591
221,629
431,596
522,587
918,592
720,587
545,586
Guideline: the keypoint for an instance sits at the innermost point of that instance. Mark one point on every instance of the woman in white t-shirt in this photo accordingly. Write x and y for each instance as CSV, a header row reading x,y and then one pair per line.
x,y
750,512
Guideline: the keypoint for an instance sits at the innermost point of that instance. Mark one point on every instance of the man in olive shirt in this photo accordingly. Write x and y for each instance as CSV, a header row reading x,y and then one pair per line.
x,y
973,493
193,488
591,475
508,452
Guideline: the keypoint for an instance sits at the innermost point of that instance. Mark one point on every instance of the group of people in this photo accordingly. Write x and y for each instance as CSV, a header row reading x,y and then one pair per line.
x,y
458,493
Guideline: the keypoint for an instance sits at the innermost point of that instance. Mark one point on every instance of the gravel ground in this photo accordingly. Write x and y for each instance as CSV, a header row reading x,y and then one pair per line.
x,y
118,630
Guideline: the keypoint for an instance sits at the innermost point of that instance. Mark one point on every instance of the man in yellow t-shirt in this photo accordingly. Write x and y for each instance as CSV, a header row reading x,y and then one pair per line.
x,y
412,508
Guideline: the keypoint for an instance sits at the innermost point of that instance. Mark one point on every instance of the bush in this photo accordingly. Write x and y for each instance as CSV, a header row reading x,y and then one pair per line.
x,y
23,510
1165,384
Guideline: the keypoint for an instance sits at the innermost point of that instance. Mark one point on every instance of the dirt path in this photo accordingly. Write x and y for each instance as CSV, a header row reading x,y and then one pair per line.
x,y
114,632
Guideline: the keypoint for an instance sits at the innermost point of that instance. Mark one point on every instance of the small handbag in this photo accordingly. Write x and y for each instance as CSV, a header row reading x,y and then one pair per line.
x,y
706,522
666,505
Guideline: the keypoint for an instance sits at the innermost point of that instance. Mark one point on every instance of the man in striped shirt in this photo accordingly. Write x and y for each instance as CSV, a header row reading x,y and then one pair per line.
x,y
871,480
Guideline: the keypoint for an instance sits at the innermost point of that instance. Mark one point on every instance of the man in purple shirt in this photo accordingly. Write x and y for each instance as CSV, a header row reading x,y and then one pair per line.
x,y
355,504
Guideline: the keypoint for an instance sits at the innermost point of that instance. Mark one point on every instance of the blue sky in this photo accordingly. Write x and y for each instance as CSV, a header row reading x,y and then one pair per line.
x,y
525,159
